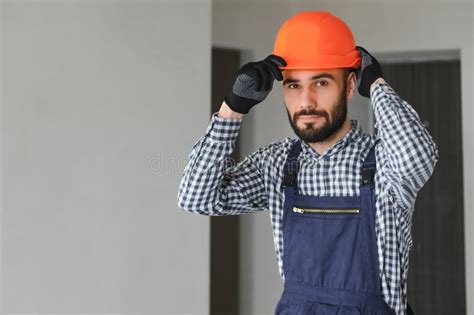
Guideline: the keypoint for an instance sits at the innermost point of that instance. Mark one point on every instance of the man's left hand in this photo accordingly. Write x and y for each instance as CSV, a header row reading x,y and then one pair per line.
x,y
368,72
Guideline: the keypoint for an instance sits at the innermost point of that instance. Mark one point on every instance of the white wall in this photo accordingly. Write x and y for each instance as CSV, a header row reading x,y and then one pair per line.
x,y
379,26
102,101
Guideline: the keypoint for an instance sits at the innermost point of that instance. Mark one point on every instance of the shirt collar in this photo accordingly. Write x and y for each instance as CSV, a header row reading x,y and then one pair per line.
x,y
352,135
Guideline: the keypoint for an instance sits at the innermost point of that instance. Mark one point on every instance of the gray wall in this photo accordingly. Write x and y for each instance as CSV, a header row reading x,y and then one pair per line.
x,y
380,26
101,103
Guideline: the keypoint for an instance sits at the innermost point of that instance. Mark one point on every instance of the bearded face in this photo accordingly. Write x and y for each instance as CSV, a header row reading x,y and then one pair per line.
x,y
316,125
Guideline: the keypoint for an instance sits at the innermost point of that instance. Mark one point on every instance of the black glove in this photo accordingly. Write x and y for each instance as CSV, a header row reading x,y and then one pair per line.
x,y
253,83
368,72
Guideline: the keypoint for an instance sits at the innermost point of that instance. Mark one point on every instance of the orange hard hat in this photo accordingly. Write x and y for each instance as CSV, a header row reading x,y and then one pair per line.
x,y
316,40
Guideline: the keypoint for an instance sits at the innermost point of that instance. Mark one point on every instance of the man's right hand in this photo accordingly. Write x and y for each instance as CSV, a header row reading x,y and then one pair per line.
x,y
253,83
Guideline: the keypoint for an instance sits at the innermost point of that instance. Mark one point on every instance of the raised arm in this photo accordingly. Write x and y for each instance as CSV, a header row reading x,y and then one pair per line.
x,y
409,152
210,184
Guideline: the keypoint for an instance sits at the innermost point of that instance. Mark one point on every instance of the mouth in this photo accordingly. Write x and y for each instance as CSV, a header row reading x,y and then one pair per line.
x,y
309,117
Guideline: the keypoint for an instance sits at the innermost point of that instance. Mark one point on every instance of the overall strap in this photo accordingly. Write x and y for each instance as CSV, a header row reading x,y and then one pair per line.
x,y
369,167
290,169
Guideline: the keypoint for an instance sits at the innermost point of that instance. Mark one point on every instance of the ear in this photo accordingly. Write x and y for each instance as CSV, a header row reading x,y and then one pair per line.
x,y
351,85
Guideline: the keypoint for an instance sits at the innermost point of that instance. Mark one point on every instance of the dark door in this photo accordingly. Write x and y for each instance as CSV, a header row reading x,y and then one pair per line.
x,y
436,279
224,230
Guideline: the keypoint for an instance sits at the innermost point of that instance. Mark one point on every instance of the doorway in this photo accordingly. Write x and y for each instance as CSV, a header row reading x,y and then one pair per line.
x,y
436,278
225,237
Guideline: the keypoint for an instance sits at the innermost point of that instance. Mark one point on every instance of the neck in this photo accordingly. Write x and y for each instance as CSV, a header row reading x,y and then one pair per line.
x,y
322,146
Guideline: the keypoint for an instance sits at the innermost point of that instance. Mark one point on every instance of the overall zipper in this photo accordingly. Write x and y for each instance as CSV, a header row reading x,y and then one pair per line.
x,y
330,211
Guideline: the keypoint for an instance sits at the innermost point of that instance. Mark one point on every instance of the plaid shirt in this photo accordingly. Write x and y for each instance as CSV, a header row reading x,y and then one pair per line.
x,y
406,156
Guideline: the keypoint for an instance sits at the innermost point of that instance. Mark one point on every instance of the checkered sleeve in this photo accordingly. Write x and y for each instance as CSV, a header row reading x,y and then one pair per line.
x,y
410,152
212,184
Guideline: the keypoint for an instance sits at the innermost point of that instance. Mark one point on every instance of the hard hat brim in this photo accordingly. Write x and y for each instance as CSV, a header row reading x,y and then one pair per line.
x,y
325,62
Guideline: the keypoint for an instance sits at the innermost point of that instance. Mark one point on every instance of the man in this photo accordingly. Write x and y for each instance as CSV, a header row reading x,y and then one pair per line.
x,y
340,201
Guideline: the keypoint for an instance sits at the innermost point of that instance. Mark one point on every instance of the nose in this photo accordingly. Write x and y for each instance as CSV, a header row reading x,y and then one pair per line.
x,y
308,97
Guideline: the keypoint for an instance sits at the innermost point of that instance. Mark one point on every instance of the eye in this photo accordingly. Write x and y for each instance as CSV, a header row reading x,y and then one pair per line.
x,y
292,86
322,83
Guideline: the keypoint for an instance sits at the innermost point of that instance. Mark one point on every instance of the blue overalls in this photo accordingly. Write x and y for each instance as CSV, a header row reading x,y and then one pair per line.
x,y
330,251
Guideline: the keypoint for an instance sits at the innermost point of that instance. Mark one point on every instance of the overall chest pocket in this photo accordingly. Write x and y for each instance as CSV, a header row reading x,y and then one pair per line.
x,y
326,213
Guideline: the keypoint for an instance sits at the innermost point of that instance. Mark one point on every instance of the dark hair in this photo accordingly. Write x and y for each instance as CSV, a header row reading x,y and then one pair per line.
x,y
348,71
